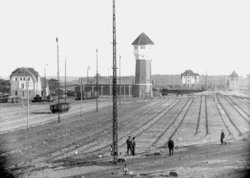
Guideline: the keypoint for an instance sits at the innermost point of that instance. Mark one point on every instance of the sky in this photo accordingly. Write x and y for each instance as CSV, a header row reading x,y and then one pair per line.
x,y
210,37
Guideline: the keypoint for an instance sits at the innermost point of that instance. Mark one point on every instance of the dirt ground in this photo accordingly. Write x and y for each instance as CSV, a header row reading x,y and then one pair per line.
x,y
80,146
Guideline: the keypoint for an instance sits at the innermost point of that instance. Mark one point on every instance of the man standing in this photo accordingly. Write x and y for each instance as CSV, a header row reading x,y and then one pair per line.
x,y
222,136
128,141
171,146
133,146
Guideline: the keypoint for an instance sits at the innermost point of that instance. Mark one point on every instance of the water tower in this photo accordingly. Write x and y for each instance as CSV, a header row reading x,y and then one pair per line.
x,y
142,51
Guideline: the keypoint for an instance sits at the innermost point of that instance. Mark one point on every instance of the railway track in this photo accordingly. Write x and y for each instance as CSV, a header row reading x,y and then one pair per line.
x,y
184,109
228,116
121,140
199,117
68,149
162,132
218,109
206,116
99,124
243,106
239,110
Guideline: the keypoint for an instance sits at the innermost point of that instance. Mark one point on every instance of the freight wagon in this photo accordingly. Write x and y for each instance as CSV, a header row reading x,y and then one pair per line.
x,y
61,107
86,95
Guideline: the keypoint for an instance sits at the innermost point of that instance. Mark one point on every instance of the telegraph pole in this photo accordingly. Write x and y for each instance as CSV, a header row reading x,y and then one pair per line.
x,y
97,90
81,96
45,81
120,80
28,111
65,84
115,134
58,83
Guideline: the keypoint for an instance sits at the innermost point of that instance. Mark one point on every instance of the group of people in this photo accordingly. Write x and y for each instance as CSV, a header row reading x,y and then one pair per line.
x,y
130,145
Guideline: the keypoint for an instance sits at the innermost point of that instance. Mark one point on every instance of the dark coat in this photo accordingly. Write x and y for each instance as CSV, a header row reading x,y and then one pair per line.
x,y
170,144
222,136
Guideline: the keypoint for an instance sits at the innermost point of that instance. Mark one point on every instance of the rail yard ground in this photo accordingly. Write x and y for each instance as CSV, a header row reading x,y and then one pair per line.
x,y
73,147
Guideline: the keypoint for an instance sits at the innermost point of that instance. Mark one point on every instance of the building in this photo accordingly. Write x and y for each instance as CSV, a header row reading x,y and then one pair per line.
x,y
23,80
189,79
142,50
234,81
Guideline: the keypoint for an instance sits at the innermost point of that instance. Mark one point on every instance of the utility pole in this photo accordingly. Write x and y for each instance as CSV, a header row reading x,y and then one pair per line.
x,y
45,81
58,83
88,75
120,80
97,90
81,96
65,84
115,134
28,110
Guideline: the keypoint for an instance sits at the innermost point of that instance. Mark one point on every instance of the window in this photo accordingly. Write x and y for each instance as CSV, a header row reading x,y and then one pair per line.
x,y
16,93
22,85
28,79
142,47
21,78
16,78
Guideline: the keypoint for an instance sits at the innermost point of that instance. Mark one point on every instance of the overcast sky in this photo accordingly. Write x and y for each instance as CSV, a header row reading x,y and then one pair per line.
x,y
204,36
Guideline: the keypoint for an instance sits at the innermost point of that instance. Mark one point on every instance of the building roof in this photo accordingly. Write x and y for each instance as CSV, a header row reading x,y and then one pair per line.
x,y
23,71
143,39
189,73
234,74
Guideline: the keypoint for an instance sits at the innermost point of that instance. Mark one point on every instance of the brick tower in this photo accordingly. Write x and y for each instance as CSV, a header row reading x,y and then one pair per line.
x,y
142,51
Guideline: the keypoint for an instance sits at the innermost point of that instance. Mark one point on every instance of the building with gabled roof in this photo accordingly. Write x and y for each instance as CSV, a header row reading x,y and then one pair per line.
x,y
23,80
190,79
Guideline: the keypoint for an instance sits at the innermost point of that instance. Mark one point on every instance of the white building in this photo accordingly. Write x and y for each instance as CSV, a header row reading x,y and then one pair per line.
x,y
190,79
23,80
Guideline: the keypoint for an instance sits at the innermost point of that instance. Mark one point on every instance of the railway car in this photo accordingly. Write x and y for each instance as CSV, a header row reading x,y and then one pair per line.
x,y
179,92
86,95
61,107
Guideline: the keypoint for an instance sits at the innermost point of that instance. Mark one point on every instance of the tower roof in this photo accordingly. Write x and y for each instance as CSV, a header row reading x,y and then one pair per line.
x,y
143,39
234,74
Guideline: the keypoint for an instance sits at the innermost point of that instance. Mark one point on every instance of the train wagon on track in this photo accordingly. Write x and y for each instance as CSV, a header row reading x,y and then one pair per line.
x,y
86,95
60,107
179,91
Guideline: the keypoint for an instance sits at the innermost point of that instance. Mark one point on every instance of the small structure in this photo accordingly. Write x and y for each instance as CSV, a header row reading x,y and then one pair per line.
x,y
189,79
142,50
234,81
21,78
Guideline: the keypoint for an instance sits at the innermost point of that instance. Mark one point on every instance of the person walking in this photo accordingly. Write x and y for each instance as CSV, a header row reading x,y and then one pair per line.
x,y
222,136
133,146
128,141
171,146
